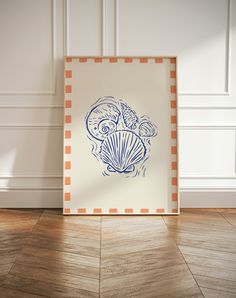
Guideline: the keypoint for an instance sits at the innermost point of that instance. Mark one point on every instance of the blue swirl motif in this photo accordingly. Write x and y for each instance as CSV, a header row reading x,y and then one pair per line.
x,y
121,139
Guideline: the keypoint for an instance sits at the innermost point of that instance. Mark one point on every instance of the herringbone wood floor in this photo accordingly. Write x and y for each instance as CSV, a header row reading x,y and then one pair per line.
x,y
43,254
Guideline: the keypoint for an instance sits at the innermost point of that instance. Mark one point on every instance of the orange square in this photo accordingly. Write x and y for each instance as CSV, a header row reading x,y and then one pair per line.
x,y
66,210
67,165
173,104
173,74
173,119
113,60
67,119
82,59
173,89
97,210
128,60
113,210
67,103
173,134
160,210
175,210
68,59
173,150
81,210
174,196
143,60
158,60
67,196
67,149
144,210
129,210
174,181
67,181
68,89
174,165
172,60
68,73
67,134
98,60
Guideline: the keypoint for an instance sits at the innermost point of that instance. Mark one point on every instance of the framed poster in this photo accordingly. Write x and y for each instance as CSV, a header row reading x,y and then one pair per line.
x,y
120,135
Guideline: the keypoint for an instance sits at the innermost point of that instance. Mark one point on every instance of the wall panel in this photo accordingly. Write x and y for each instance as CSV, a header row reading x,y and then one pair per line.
x,y
35,35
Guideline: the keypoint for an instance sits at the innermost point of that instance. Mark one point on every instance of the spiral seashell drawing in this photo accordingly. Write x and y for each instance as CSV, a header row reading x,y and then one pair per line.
x,y
121,150
102,120
121,139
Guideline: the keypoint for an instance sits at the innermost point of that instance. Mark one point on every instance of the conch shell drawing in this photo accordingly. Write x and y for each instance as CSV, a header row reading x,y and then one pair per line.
x,y
130,117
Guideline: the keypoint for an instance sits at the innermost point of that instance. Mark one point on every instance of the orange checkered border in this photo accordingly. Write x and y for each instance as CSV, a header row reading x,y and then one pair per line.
x,y
68,134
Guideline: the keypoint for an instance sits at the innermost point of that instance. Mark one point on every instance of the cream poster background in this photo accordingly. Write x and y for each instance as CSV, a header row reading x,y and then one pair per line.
x,y
148,86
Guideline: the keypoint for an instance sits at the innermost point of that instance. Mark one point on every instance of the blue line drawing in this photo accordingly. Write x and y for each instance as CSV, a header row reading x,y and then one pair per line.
x,y
121,150
102,120
120,139
147,129
129,116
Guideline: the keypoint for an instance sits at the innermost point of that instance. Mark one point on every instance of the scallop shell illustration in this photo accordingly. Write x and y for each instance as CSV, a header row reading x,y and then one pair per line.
x,y
147,129
102,120
121,150
129,116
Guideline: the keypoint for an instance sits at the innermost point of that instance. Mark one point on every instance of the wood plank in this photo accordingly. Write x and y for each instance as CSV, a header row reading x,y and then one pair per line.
x,y
175,281
210,293
64,279
9,293
46,289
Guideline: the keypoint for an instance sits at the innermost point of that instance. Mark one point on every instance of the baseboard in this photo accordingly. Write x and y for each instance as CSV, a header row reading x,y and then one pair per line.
x,y
31,199
208,199
53,199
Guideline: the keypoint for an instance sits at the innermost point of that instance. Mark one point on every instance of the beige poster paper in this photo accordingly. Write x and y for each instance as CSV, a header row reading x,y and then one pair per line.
x,y
120,135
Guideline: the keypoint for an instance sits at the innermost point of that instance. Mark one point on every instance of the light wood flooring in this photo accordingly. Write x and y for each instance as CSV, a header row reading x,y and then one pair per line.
x,y
43,254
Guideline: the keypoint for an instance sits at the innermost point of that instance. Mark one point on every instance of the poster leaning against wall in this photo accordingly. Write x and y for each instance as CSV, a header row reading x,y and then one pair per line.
x,y
120,136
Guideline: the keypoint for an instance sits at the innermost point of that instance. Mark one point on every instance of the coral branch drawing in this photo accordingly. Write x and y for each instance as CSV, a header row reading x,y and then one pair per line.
x,y
121,138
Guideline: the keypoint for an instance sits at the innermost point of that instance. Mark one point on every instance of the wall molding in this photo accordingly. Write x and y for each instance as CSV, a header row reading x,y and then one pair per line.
x,y
226,92
31,126
207,177
31,106
105,22
207,126
23,175
184,107
208,198
53,59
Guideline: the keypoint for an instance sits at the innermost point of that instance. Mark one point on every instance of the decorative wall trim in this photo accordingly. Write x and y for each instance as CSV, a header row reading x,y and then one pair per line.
x,y
31,106
29,188
207,177
206,188
30,126
105,22
226,92
207,126
182,107
65,28
53,58
31,198
11,175
208,198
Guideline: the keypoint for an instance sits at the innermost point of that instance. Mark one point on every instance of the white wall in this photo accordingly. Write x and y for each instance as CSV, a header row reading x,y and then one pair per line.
x,y
36,34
